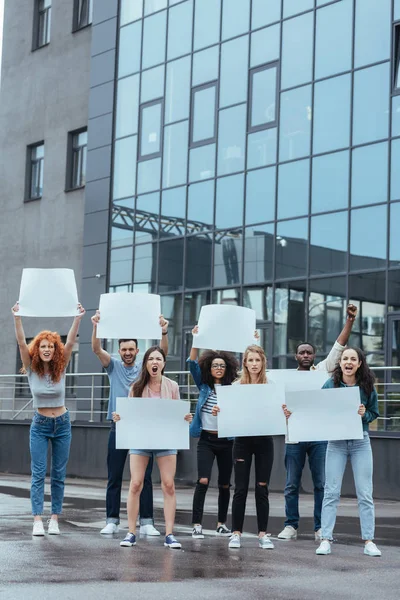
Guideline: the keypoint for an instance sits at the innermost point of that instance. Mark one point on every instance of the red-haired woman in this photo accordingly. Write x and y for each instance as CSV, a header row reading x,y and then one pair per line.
x,y
45,360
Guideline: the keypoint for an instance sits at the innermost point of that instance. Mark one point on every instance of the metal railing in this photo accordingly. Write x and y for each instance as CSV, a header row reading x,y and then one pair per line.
x,y
87,396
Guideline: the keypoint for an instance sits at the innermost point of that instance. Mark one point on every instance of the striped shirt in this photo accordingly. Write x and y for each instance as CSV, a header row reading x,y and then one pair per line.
x,y
208,422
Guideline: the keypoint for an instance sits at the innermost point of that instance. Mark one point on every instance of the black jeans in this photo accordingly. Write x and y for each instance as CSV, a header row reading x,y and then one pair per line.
x,y
115,464
210,446
243,449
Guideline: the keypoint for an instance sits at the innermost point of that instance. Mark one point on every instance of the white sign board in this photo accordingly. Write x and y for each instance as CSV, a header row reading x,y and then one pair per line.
x,y
223,327
127,315
319,415
48,293
249,410
294,380
152,424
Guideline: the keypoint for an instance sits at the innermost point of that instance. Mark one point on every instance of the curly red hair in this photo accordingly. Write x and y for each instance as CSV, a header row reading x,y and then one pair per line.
x,y
57,364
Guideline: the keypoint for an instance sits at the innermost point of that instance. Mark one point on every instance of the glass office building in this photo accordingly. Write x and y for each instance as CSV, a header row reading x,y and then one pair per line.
x,y
256,161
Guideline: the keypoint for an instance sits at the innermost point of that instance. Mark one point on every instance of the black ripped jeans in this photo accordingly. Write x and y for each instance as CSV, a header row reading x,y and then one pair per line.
x,y
210,446
243,449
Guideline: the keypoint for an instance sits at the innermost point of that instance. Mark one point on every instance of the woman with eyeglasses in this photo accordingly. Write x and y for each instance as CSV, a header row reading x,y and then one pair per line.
x,y
209,371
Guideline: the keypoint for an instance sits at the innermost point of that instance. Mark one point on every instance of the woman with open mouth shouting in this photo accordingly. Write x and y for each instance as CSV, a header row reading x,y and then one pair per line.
x,y
153,384
212,369
45,361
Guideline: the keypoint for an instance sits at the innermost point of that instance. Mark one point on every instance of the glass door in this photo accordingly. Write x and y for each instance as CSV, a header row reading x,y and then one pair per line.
x,y
391,409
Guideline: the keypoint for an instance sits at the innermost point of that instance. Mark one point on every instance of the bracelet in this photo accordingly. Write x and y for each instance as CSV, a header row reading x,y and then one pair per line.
x,y
166,333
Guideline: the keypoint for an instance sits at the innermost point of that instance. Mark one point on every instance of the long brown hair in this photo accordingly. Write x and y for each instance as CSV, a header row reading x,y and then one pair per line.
x,y
138,386
56,365
245,374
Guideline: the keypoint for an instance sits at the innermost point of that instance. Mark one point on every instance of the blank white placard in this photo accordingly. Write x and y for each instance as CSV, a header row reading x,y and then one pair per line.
x,y
223,327
128,315
319,415
152,424
251,409
48,293
294,380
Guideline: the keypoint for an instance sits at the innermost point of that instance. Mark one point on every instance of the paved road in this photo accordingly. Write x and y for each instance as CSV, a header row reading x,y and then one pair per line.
x,y
82,564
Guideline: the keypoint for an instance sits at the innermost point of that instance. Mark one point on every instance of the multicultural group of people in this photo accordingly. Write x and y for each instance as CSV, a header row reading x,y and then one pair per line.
x,y
45,360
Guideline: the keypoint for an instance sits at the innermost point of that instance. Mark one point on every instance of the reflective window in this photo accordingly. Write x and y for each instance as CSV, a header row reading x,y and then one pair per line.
x,y
333,51
368,238
205,66
127,106
328,245
231,297
198,262
149,175
229,212
200,214
371,104
130,41
231,139
77,150
372,34
180,21
204,100
192,305
147,217
258,253
265,45
207,15
234,71
395,171
291,248
297,50
263,93
369,174
260,195
394,291
175,154
124,167
150,129
178,90
228,258
330,181
36,167
293,189
261,148
173,212
396,13
326,312
122,223
294,7
235,18
295,123
260,300
145,266
121,260
130,11
202,162
396,115
394,235
42,23
151,6
171,308
289,321
152,84
332,114
154,29
264,13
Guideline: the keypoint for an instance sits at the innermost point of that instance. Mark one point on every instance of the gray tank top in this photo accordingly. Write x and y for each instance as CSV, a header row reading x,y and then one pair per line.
x,y
45,392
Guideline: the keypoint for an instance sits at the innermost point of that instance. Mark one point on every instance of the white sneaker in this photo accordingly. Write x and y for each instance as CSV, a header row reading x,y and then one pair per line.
x,y
371,549
289,533
53,528
148,530
265,542
197,532
38,528
109,528
318,537
324,547
234,542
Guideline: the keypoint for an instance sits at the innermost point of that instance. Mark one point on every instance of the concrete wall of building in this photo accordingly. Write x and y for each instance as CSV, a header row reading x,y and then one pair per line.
x,y
44,95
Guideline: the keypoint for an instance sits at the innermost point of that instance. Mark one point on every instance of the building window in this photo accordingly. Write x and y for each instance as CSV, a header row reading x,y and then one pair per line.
x,y
35,171
76,165
42,22
151,125
263,97
396,59
203,124
83,12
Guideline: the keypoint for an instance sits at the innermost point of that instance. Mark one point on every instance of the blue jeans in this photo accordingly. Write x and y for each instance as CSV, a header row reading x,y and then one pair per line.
x,y
360,454
295,458
58,431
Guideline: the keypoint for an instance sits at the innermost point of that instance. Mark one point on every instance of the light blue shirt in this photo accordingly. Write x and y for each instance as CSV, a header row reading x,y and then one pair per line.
x,y
121,378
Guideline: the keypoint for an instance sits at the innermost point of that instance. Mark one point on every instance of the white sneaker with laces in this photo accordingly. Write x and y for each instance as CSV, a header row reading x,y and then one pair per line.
x,y
53,528
38,528
265,542
223,530
318,537
371,549
324,548
234,542
109,528
197,532
289,533
149,530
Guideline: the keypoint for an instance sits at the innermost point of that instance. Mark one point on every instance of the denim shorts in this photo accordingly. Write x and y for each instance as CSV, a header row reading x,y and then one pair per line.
x,y
154,453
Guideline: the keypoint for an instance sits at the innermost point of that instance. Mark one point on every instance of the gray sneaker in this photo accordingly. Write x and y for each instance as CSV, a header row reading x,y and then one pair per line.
x,y
234,542
265,542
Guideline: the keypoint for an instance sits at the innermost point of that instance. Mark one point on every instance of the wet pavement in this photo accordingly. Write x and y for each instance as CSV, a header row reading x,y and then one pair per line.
x,y
83,564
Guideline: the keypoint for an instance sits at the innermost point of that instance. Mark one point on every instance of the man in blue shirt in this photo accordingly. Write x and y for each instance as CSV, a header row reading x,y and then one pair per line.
x,y
121,374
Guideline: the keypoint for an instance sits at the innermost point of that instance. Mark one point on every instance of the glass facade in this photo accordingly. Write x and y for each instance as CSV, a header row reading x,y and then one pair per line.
x,y
256,161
